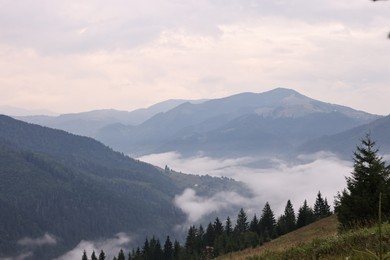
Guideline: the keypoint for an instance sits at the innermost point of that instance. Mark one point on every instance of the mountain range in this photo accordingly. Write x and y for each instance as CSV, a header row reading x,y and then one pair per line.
x,y
88,123
75,188
273,123
280,122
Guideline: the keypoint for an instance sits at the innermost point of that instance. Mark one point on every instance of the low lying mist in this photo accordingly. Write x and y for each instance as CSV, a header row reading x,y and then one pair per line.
x,y
110,246
320,172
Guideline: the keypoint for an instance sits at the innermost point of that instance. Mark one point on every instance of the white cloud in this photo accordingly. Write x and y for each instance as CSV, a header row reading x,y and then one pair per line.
x,y
110,247
197,207
321,172
46,239
71,56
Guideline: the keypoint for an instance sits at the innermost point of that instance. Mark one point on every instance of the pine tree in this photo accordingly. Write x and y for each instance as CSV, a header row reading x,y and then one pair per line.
x,y
321,207
242,222
93,256
190,244
102,255
228,227
267,222
254,225
359,202
168,249
286,222
305,215
84,257
218,227
290,219
176,250
121,255
210,235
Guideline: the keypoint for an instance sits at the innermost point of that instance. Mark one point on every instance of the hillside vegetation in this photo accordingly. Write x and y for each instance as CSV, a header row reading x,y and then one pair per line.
x,y
319,240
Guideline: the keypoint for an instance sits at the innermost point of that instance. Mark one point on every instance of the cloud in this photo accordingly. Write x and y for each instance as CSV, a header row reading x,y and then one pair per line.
x,y
46,239
110,247
298,182
70,56
196,207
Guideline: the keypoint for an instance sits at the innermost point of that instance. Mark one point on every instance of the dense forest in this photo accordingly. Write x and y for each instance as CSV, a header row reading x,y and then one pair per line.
x,y
75,188
223,237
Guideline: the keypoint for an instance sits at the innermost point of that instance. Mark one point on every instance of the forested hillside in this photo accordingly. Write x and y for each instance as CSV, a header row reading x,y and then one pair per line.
x,y
76,188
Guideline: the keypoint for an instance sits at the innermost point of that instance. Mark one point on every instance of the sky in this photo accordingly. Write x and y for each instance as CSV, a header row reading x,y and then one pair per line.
x,y
73,56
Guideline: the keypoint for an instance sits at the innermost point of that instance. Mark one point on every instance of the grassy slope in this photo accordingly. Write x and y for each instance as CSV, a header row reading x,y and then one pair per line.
x,y
319,240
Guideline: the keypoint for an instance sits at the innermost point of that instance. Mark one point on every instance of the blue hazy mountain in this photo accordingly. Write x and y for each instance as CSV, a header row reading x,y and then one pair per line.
x,y
88,123
344,144
271,123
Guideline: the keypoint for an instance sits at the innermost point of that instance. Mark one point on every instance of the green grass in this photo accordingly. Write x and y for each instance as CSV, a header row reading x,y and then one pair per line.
x,y
319,240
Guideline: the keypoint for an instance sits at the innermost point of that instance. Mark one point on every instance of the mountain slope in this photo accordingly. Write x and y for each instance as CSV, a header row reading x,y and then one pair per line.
x,y
88,123
344,143
76,188
242,124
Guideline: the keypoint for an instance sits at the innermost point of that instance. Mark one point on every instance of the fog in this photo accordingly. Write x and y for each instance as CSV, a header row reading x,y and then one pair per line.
x,y
28,245
111,247
298,182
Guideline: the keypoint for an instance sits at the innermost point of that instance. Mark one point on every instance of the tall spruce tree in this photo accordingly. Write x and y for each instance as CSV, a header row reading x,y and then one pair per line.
x,y
93,256
121,255
286,222
321,207
228,227
305,215
84,257
102,255
168,249
267,222
242,222
358,203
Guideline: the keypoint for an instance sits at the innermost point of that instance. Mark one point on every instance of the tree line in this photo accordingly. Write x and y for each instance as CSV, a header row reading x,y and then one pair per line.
x,y
220,238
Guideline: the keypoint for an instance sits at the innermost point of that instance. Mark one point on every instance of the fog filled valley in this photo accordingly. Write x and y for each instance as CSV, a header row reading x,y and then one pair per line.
x,y
181,163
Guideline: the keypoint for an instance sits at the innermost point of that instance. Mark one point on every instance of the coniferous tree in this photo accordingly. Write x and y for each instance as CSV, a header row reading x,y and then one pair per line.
x,y
84,257
254,225
146,249
370,176
305,215
321,207
176,250
218,227
242,222
93,256
168,249
228,227
210,235
267,222
290,218
190,244
121,255
102,255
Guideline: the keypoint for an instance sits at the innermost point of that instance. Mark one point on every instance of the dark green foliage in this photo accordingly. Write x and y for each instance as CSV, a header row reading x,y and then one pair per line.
x,y
370,176
321,207
228,226
305,215
93,256
102,255
242,224
121,255
168,249
84,257
267,223
286,222
76,188
254,225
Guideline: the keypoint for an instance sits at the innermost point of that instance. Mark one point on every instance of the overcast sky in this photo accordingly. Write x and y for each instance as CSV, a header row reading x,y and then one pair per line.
x,y
72,56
